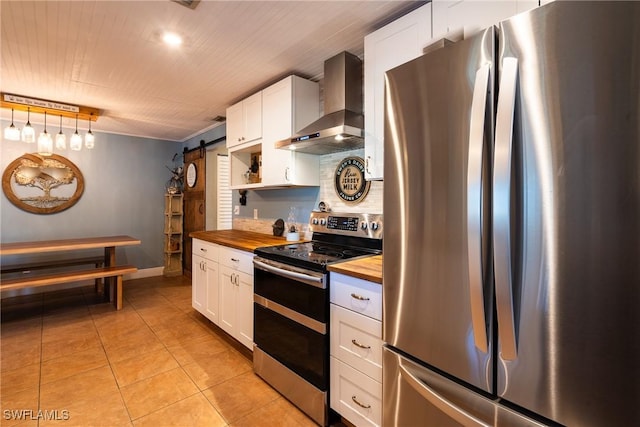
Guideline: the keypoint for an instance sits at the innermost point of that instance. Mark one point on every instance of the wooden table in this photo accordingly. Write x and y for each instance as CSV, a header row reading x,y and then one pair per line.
x,y
109,243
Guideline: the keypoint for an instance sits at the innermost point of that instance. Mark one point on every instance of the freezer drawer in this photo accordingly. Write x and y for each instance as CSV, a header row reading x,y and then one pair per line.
x,y
413,395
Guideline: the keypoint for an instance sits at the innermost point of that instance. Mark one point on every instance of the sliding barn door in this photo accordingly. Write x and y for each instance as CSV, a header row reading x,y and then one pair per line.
x,y
194,201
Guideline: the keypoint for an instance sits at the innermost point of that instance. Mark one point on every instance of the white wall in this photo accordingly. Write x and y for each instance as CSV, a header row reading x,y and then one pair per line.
x,y
124,194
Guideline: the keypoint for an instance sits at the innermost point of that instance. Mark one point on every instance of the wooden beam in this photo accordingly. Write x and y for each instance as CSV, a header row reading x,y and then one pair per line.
x,y
84,113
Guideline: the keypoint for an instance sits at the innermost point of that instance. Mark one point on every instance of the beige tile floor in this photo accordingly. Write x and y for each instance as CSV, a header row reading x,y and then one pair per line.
x,y
70,360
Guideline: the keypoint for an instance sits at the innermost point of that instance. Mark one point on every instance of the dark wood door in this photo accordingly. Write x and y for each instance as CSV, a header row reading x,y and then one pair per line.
x,y
194,201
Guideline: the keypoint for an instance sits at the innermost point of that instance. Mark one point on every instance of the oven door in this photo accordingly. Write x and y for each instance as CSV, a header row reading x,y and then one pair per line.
x,y
290,320
297,289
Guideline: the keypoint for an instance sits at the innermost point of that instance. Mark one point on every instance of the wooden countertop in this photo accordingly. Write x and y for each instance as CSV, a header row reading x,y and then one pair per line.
x,y
239,239
369,268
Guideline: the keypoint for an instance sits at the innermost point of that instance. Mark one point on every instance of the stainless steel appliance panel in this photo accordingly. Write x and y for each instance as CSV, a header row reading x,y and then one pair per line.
x,y
569,222
304,395
436,273
416,396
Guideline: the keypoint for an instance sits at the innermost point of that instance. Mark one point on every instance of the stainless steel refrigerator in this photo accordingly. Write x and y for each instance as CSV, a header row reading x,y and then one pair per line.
x,y
512,243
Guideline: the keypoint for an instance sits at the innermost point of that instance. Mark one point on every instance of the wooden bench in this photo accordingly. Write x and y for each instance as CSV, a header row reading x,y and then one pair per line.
x,y
97,261
31,281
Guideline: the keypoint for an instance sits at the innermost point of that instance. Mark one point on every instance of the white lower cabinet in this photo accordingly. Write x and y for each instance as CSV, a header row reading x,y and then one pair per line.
x,y
236,294
204,267
223,290
356,349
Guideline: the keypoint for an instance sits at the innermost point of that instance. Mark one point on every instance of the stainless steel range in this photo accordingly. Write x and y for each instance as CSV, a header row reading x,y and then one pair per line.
x,y
291,305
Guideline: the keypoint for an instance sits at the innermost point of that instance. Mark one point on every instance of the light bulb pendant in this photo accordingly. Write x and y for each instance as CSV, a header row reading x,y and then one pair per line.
x,y
75,143
11,132
89,138
61,139
28,132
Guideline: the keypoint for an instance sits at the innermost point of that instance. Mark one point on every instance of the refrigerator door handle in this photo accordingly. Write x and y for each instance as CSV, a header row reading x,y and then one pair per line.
x,y
502,208
455,412
474,205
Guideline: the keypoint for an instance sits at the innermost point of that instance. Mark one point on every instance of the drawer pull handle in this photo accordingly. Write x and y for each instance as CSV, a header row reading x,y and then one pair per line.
x,y
360,297
360,404
356,343
235,260
203,249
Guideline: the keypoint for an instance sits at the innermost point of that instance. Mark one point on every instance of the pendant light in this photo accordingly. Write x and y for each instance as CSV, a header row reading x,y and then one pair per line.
x,y
45,143
12,133
61,140
76,140
28,133
89,138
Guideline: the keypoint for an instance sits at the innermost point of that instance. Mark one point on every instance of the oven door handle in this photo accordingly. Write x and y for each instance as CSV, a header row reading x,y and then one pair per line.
x,y
316,281
290,314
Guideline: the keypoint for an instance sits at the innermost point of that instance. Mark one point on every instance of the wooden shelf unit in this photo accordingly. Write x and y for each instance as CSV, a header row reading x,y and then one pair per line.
x,y
173,230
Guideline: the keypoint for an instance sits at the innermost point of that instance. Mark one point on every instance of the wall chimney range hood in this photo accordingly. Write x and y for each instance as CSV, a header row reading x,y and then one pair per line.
x,y
342,126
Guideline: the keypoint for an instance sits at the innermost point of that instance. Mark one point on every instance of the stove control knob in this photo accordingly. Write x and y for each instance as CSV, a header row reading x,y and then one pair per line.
x,y
314,221
323,221
374,226
363,225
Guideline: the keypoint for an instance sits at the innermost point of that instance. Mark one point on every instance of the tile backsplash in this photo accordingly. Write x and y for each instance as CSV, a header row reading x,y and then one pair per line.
x,y
372,203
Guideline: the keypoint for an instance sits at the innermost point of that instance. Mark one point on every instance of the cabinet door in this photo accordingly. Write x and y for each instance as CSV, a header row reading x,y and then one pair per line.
x,y
235,125
245,310
454,18
252,110
228,299
276,100
213,305
288,106
198,283
393,45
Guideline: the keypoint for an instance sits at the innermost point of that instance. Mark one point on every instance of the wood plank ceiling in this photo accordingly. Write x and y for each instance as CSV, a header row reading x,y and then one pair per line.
x,y
109,55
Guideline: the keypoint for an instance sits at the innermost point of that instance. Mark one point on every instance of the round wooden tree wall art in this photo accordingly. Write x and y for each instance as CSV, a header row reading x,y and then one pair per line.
x,y
42,184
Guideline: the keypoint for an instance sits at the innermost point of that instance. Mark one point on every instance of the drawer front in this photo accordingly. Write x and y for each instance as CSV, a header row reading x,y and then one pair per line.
x,y
205,249
355,294
238,260
356,340
355,396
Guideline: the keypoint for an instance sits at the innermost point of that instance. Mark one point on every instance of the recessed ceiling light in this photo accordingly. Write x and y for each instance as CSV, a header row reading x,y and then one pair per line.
x,y
172,39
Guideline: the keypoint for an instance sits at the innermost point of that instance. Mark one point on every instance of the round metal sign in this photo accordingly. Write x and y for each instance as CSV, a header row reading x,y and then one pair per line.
x,y
350,184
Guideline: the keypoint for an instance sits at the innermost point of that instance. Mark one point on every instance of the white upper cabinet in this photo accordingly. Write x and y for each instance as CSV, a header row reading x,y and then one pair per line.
x,y
398,42
244,121
454,19
288,106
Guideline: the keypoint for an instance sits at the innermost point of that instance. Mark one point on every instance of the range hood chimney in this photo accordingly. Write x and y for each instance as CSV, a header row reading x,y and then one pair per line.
x,y
342,126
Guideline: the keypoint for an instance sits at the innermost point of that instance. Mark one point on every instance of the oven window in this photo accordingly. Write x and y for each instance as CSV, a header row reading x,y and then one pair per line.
x,y
299,348
305,299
